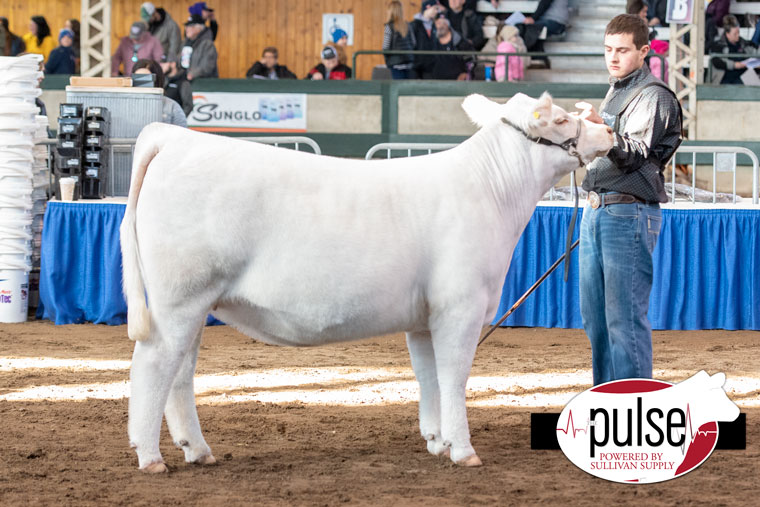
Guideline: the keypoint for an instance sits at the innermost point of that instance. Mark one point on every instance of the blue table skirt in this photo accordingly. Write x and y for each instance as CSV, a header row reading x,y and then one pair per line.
x,y
706,274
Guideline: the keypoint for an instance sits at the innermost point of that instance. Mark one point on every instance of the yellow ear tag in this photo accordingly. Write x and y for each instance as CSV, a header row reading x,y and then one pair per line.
x,y
536,115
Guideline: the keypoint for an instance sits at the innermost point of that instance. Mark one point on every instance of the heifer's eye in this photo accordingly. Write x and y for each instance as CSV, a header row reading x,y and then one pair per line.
x,y
560,121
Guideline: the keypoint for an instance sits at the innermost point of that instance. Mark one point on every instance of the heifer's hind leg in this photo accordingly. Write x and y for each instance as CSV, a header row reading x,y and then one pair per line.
x,y
181,413
455,340
423,363
155,363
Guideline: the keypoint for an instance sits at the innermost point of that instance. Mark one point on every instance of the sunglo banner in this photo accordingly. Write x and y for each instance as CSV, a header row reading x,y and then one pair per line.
x,y
248,112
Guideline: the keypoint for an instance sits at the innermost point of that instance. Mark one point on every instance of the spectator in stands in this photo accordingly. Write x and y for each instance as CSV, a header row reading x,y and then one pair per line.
x,y
553,14
729,70
641,9
268,68
62,59
714,13
423,31
340,41
139,44
340,37
198,54
467,23
398,36
73,25
510,68
176,85
550,14
656,12
449,66
38,40
638,8
172,112
330,67
207,13
162,27
12,44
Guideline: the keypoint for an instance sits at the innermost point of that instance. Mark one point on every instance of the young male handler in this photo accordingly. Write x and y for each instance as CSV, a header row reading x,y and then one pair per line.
x,y
621,221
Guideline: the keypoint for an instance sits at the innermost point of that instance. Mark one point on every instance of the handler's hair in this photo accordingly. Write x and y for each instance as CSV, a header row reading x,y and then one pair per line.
x,y
270,49
629,23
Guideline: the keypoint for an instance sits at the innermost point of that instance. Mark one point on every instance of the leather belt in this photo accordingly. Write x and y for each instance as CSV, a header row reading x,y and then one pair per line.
x,y
602,200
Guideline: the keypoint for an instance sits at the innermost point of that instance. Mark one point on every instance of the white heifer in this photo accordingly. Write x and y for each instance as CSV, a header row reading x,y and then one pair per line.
x,y
297,249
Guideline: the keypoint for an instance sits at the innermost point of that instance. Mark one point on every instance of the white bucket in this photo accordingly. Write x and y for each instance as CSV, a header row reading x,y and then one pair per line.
x,y
30,60
14,295
16,247
16,107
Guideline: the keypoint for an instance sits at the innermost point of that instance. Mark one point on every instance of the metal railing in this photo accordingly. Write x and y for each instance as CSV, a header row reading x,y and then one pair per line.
x,y
476,53
297,141
409,148
714,150
127,145
694,150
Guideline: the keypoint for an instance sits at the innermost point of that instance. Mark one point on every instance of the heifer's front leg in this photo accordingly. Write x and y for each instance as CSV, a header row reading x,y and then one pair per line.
x,y
181,413
154,365
455,339
423,363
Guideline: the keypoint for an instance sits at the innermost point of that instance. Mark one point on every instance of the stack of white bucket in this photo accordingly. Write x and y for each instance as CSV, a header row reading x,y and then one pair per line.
x,y
18,126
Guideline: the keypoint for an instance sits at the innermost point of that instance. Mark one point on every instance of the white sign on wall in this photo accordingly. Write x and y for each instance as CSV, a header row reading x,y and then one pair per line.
x,y
332,22
680,12
248,112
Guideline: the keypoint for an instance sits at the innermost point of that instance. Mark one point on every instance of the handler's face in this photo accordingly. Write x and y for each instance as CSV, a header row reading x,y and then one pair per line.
x,y
621,55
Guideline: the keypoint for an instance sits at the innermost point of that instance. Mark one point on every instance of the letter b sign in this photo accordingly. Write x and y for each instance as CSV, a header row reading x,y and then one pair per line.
x,y
680,11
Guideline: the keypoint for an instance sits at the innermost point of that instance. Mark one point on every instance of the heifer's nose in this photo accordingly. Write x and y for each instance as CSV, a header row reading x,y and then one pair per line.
x,y
609,130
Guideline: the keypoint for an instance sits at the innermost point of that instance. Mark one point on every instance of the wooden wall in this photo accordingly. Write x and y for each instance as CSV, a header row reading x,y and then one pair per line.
x,y
245,26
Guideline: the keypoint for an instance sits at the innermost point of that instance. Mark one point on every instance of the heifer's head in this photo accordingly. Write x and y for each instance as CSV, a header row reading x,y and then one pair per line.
x,y
542,121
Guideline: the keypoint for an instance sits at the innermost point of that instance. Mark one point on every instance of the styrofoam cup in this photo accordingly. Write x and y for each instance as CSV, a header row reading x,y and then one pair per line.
x,y
67,188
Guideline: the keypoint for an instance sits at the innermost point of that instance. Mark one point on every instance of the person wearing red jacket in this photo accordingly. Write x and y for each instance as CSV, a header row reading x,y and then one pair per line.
x,y
138,45
330,68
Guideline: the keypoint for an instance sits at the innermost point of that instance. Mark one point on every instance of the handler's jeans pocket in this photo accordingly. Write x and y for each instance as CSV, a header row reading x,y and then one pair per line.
x,y
653,222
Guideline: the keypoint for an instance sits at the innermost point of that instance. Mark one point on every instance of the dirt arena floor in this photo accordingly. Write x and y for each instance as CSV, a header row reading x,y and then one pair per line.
x,y
336,425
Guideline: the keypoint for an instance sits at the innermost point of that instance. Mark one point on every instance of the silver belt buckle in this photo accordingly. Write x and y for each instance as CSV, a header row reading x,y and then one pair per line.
x,y
594,200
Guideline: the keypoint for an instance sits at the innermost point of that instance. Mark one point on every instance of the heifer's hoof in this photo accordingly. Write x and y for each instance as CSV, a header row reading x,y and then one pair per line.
x,y
207,459
436,447
470,461
159,467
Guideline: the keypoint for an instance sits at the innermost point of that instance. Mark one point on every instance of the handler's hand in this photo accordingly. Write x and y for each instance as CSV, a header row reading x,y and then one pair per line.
x,y
588,112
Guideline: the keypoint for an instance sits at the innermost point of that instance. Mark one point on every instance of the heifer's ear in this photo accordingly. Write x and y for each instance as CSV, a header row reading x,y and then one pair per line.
x,y
542,113
481,110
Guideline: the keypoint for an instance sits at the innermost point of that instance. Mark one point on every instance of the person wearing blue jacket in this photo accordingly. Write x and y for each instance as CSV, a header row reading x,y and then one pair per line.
x,y
62,59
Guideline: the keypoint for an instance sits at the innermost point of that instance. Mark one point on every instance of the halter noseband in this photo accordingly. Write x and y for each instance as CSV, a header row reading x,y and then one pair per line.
x,y
569,145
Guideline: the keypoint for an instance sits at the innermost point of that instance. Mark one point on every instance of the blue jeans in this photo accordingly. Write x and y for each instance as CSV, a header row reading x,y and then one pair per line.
x,y
552,27
402,73
756,37
615,281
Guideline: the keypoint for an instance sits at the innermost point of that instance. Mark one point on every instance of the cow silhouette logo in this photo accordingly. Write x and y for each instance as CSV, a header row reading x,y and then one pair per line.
x,y
642,430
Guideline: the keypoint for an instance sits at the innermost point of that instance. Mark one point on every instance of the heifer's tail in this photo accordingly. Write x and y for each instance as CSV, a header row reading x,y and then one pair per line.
x,y
149,143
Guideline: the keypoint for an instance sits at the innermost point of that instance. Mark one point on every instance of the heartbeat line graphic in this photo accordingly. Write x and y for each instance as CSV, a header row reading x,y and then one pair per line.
x,y
571,426
690,430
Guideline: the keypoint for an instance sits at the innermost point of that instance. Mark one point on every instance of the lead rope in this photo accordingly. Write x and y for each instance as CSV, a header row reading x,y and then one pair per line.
x,y
571,229
566,257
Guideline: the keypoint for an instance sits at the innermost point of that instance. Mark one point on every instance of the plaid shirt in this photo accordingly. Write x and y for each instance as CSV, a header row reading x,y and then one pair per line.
x,y
648,134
